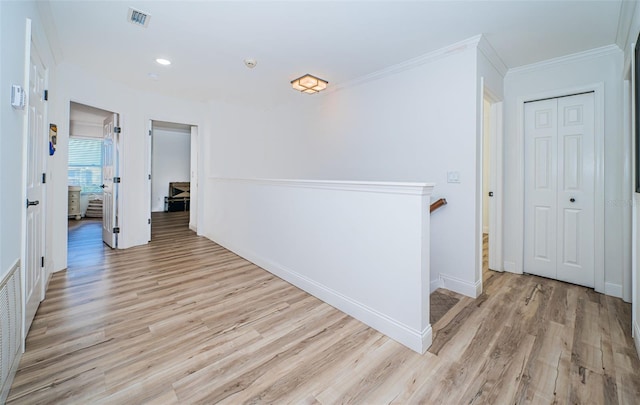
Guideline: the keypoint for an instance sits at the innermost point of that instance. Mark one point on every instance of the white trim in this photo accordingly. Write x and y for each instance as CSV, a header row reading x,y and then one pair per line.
x,y
416,340
625,20
492,56
448,50
435,284
636,336
360,186
463,287
627,181
572,58
614,290
599,203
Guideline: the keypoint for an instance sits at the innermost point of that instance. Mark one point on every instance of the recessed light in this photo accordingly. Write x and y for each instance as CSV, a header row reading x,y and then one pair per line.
x,y
164,62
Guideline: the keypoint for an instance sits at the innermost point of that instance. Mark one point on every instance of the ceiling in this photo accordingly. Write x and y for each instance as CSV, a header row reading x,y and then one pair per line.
x,y
339,41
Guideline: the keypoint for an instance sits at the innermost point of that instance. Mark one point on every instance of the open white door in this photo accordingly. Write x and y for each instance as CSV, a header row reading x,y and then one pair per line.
x,y
36,147
193,214
495,200
110,180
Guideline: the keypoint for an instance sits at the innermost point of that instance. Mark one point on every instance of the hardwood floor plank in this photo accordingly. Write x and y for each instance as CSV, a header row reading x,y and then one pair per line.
x,y
184,321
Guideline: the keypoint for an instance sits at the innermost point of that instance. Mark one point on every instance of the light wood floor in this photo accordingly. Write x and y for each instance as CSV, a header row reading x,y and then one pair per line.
x,y
182,320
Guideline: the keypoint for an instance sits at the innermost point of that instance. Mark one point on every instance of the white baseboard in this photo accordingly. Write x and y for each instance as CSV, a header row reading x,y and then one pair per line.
x,y
193,228
463,287
435,284
615,290
636,336
416,340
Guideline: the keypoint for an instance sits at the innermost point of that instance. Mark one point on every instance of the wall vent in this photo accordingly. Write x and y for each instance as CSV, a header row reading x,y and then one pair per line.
x,y
138,17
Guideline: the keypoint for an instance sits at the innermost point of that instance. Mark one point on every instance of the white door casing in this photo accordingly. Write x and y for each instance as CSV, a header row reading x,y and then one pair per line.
x,y
110,186
559,189
37,146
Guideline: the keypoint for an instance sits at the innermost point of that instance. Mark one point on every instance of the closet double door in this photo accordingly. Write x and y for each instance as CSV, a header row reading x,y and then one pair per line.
x,y
559,188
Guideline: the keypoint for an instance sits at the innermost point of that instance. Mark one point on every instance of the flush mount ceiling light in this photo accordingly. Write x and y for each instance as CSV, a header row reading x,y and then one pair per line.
x,y
163,62
309,84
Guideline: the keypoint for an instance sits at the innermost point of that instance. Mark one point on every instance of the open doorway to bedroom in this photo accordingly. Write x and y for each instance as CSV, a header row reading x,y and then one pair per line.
x,y
85,180
172,175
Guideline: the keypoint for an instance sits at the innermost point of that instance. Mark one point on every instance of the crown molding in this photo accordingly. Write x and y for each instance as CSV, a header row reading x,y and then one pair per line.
x,y
490,53
571,58
625,20
411,63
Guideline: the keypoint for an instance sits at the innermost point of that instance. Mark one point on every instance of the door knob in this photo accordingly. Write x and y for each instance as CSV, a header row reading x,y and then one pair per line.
x,y
490,193
572,199
30,203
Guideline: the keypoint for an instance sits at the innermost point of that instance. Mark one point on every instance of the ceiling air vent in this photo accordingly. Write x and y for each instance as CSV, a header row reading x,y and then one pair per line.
x,y
138,17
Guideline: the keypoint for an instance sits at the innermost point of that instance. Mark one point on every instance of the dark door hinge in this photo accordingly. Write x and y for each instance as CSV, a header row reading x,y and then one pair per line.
x,y
149,221
149,132
44,178
117,130
46,95
116,229
117,179
42,261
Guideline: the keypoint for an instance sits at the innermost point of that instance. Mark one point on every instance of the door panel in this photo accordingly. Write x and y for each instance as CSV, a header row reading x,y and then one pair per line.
x,y
35,233
110,189
541,188
576,193
559,189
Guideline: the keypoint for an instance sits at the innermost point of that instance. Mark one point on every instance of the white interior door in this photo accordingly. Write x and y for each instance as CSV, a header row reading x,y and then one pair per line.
x,y
559,189
110,181
36,147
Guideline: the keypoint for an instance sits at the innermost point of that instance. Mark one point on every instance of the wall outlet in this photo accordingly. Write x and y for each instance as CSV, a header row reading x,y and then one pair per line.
x,y
453,177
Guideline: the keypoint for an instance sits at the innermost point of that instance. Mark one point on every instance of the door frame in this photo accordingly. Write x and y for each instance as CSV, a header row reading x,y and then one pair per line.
x,y
495,179
193,176
599,202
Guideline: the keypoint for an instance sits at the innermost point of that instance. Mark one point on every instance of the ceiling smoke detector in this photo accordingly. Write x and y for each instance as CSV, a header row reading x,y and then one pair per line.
x,y
137,17
250,63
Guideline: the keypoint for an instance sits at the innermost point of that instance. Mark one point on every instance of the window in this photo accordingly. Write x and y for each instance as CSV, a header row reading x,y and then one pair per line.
x,y
85,164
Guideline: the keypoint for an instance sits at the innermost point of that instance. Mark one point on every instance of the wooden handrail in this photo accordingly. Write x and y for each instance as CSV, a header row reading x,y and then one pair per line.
x,y
437,204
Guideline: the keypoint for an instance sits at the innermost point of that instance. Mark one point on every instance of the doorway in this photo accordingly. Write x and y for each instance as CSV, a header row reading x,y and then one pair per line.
x,y
172,174
85,179
491,183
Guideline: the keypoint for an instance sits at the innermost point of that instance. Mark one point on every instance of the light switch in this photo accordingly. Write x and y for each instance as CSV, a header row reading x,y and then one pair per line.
x,y
453,177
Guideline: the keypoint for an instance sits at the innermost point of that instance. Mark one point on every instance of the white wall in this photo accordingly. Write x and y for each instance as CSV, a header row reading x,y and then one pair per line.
x,y
598,66
411,123
329,239
13,17
171,162
136,108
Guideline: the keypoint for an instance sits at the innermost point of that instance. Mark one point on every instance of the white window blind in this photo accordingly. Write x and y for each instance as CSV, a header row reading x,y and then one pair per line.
x,y
85,164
